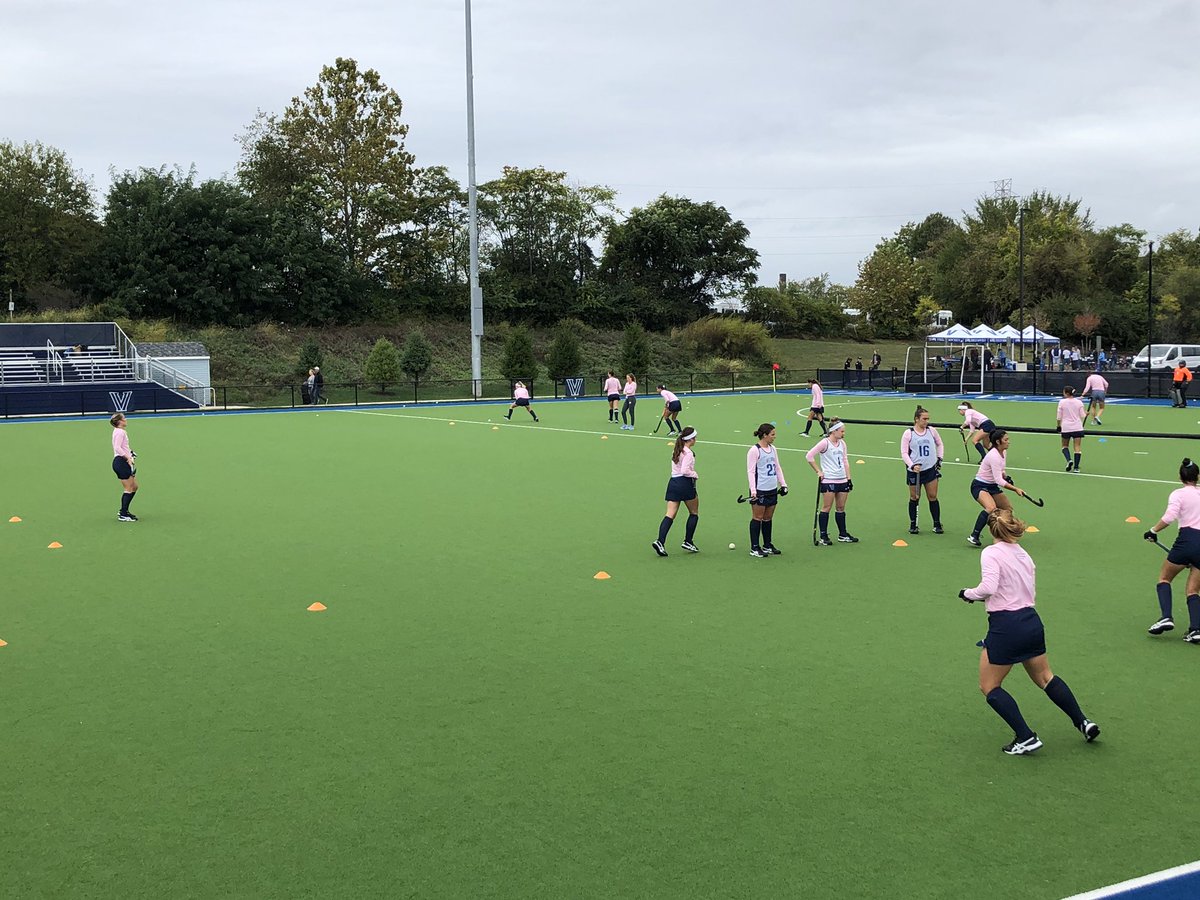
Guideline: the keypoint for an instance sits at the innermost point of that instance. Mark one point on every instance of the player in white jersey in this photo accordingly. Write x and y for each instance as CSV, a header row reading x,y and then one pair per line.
x,y
1183,507
767,485
922,451
833,477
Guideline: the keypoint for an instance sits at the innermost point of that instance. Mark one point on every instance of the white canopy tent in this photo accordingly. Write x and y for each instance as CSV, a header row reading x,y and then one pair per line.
x,y
1033,335
1008,332
985,334
955,334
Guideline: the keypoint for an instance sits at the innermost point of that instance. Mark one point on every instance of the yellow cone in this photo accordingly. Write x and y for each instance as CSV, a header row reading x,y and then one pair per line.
x,y
451,423
54,545
1033,529
602,576
899,543
604,437
1133,519
860,462
495,428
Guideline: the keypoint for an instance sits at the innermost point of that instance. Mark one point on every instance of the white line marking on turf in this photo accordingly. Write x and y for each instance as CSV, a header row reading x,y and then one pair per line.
x,y
1133,883
740,446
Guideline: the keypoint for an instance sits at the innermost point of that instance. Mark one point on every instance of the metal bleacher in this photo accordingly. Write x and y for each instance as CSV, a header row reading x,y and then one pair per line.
x,y
53,365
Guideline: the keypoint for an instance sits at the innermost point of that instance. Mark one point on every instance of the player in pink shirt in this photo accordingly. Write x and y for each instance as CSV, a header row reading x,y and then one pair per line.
x,y
979,427
681,489
1070,425
990,483
521,398
612,389
1095,389
833,481
816,409
124,466
1015,634
671,409
1183,506
630,403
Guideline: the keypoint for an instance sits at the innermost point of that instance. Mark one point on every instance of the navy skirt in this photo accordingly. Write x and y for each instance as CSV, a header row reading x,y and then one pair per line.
x,y
681,488
978,487
122,468
1186,549
675,406
767,498
1014,636
925,476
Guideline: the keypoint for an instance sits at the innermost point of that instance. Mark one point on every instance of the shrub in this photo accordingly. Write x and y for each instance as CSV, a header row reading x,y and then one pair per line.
x,y
564,358
729,337
518,362
383,365
417,357
635,350
310,356
723,366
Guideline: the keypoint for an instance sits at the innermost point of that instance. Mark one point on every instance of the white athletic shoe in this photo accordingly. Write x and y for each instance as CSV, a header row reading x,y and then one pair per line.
x,y
1164,624
659,548
1090,730
1020,748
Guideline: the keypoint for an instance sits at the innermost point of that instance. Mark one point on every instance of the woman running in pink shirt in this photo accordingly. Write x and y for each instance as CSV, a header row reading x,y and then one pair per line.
x,y
124,467
1070,425
1183,506
612,388
977,425
1015,634
681,489
833,481
991,481
521,398
1095,389
816,409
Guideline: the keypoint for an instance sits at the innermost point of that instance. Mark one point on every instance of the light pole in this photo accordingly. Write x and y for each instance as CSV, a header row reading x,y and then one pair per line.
x,y
473,229
1021,274
1149,313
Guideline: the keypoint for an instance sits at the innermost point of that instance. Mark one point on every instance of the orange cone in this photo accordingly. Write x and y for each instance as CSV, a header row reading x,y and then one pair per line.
x,y
3,643
15,519
1133,519
602,576
317,607
54,545
899,543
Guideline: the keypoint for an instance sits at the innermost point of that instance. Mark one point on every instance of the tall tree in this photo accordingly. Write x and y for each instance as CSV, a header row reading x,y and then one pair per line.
x,y
343,143
674,258
48,224
888,289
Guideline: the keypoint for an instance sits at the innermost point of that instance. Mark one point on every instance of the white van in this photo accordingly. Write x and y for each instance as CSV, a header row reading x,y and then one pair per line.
x,y
1166,357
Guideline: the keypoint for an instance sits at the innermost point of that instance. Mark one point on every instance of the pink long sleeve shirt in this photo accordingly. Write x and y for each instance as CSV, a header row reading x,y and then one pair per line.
x,y
667,396
520,393
974,418
1184,506
818,397
991,469
772,468
1070,414
1008,578
686,466
630,388
612,386
1095,383
120,442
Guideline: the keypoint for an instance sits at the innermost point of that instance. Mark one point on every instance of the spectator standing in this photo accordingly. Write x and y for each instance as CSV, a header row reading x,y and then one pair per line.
x,y
858,370
318,384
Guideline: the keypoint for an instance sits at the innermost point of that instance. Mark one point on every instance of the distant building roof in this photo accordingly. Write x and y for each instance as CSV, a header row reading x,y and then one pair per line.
x,y
172,349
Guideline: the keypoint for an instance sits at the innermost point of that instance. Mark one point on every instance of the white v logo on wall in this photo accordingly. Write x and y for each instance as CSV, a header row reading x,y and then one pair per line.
x,y
120,400
574,387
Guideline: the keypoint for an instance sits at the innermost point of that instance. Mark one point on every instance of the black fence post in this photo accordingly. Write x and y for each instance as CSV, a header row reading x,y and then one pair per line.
x,y
356,393
415,398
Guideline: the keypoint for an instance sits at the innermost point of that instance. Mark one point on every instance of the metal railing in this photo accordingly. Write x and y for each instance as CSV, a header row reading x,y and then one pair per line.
x,y
147,368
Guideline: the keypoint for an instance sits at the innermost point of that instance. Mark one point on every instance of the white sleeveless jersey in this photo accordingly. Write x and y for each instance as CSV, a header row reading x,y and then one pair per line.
x,y
833,462
922,448
766,478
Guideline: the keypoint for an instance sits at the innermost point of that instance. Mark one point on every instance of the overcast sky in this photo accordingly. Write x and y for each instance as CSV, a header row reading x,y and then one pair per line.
x,y
823,127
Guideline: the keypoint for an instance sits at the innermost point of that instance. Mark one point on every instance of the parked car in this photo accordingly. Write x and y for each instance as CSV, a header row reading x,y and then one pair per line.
x,y
1165,357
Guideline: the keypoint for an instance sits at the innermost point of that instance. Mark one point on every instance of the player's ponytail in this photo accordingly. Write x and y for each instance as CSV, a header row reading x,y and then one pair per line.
x,y
1004,526
688,434
996,436
1068,391
1189,472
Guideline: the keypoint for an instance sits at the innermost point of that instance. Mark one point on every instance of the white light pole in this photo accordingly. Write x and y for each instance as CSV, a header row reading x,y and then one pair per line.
x,y
473,229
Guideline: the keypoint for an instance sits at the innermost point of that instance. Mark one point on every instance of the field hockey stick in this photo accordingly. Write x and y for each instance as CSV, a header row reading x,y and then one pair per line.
x,y
816,513
1036,501
783,492
660,421
1163,547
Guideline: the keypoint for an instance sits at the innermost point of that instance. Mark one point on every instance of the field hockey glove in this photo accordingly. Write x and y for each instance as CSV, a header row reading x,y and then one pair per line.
x,y
783,491
962,595
1151,537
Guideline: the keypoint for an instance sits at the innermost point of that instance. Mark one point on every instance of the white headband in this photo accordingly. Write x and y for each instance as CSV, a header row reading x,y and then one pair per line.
x,y
835,426
690,437
962,406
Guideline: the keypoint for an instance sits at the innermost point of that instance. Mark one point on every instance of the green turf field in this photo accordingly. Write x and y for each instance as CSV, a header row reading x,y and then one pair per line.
x,y
475,715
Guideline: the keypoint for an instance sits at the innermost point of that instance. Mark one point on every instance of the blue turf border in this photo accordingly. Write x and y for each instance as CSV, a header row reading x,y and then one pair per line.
x,y
1179,883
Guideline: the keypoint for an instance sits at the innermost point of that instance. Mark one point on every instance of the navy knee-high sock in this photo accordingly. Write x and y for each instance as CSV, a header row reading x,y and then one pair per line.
x,y
1077,455
980,521
663,527
1058,691
766,532
913,505
840,518
1193,602
690,530
1006,708
982,452
823,521
1066,454
755,530
935,510
126,499
1164,598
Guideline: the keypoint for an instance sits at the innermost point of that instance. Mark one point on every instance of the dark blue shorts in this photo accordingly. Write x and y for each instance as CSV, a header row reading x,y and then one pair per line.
x,y
925,476
987,426
817,410
767,498
122,468
844,488
1014,636
613,398
1067,435
675,406
523,401
978,487
1186,549
681,488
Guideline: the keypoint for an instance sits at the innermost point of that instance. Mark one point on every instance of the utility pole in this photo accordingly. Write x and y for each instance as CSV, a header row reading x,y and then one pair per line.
x,y
473,229
1149,313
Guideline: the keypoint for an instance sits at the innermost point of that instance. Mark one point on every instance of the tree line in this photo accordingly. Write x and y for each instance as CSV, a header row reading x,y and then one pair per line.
x,y
330,220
